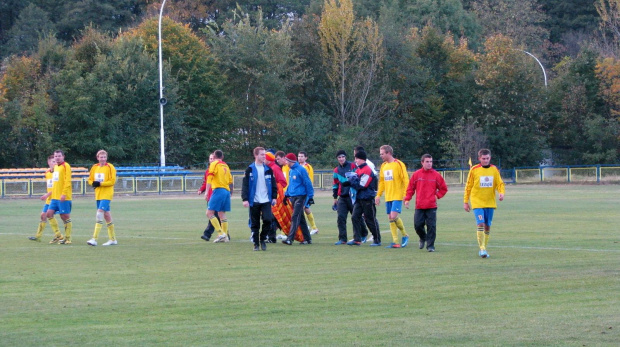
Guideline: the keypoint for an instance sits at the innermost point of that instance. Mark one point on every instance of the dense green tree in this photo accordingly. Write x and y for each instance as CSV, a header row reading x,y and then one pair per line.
x,y
32,24
510,102
261,68
569,16
579,126
522,21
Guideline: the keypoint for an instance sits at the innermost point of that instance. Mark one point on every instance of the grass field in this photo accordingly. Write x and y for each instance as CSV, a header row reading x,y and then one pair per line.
x,y
553,278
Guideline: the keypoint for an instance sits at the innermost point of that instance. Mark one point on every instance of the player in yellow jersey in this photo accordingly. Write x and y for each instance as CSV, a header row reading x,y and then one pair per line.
x,y
62,195
393,180
47,197
220,180
302,156
103,178
483,181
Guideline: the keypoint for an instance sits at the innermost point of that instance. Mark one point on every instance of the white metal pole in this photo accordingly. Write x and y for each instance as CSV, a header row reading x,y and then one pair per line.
x,y
162,100
539,63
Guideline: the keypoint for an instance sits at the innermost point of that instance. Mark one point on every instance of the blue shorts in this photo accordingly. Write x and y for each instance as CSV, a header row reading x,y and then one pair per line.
x,y
47,207
394,206
220,200
62,207
484,215
103,205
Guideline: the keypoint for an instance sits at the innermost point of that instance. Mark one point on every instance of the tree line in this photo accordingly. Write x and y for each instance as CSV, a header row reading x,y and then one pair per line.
x,y
445,77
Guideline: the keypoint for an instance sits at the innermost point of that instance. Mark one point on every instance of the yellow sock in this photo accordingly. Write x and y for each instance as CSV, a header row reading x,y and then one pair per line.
x,y
54,225
40,229
68,228
310,218
394,231
480,235
401,226
216,225
486,239
225,227
111,232
98,226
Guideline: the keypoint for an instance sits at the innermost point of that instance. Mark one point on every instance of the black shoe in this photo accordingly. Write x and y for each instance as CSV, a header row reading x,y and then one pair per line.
x,y
287,242
263,245
205,238
431,249
304,243
256,248
421,245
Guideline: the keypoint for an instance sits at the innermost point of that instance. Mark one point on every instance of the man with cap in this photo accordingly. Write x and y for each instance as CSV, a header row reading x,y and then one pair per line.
x,y
364,190
341,192
300,192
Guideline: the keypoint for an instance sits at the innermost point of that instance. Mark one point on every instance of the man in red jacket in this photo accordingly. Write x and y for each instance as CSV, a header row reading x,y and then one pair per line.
x,y
430,187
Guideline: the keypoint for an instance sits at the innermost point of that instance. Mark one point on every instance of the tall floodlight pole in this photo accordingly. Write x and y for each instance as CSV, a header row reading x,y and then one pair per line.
x,y
162,100
539,63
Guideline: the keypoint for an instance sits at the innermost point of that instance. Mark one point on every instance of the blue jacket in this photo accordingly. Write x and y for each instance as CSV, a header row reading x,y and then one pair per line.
x,y
299,182
248,189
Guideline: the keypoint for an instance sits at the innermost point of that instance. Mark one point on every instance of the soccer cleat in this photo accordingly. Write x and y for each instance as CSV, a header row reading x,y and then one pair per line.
x,y
305,242
256,248
263,245
484,254
404,241
65,242
354,243
421,245
314,231
205,238
364,239
369,239
92,242
111,243
34,238
340,242
287,242
57,239
221,238
393,245
281,237
431,249
375,244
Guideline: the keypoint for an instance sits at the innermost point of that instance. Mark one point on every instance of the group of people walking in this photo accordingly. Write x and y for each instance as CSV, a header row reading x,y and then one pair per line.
x,y
278,190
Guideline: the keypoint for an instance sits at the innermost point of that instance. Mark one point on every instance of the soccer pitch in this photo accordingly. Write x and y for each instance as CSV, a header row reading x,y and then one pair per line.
x,y
553,278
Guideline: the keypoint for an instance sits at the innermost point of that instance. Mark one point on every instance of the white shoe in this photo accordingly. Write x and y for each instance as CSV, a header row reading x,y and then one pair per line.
x,y
314,231
370,238
111,243
92,242
281,237
221,238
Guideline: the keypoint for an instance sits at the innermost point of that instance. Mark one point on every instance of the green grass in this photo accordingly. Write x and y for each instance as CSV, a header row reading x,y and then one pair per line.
x,y
553,278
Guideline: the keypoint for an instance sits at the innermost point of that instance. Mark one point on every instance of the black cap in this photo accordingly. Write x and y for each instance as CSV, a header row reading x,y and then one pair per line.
x,y
341,152
361,155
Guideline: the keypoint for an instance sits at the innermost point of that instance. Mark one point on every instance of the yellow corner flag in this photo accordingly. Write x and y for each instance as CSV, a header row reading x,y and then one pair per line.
x,y
470,165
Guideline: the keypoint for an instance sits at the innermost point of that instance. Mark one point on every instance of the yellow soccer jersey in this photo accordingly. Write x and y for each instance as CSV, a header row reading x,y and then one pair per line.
x,y
285,170
393,180
310,170
219,175
482,183
49,175
106,175
61,180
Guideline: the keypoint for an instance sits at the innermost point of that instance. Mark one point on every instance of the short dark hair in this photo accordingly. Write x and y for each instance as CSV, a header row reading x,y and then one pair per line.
x,y
304,153
59,151
359,148
218,154
483,151
424,156
280,154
